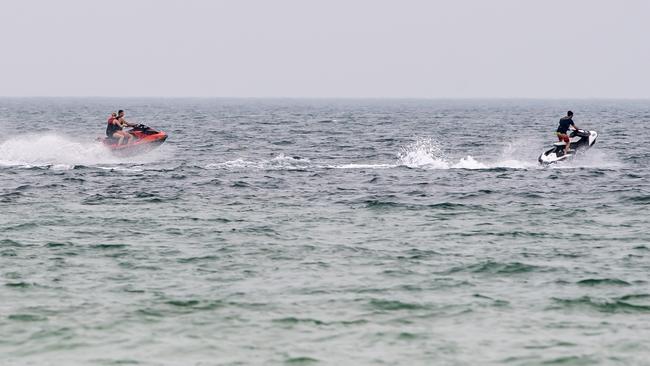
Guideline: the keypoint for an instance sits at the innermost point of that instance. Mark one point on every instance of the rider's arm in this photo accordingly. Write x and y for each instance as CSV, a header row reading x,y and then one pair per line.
x,y
124,123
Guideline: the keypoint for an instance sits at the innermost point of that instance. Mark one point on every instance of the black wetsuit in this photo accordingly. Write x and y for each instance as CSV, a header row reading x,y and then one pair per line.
x,y
111,128
565,122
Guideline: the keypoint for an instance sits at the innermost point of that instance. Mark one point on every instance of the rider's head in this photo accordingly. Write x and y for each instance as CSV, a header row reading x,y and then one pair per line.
x,y
120,113
113,114
569,113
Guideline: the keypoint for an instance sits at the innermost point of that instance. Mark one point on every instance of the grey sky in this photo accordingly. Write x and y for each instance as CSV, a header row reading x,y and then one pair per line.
x,y
333,48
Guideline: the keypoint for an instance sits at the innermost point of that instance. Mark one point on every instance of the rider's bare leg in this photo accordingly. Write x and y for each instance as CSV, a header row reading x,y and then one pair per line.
x,y
567,141
122,135
119,137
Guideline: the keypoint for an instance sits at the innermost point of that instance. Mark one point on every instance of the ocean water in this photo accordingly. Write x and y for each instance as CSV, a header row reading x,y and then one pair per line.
x,y
341,232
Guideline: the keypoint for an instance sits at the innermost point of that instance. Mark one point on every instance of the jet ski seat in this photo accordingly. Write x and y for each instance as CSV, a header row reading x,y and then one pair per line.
x,y
561,143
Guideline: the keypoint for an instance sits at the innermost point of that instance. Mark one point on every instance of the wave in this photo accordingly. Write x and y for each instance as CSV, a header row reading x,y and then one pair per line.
x,y
58,152
616,305
492,267
448,207
392,305
291,321
603,282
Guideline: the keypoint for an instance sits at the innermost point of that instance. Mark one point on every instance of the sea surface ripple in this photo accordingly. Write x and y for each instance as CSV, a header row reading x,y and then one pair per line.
x,y
395,232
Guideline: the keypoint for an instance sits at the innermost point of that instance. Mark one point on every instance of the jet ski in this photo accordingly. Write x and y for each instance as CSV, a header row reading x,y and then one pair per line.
x,y
580,140
146,139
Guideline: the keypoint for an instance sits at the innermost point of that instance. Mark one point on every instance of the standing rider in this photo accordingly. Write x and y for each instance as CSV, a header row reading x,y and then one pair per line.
x,y
114,127
565,123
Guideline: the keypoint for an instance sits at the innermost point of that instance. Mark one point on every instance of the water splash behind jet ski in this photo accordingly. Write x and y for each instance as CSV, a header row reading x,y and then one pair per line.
x,y
580,140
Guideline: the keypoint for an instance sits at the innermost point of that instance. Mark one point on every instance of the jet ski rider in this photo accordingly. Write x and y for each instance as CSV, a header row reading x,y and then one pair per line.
x,y
114,127
566,122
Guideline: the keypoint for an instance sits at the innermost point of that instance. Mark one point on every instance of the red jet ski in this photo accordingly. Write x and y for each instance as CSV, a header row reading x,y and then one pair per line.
x,y
146,139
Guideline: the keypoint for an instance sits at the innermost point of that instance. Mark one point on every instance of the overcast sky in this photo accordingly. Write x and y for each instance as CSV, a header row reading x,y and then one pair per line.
x,y
326,48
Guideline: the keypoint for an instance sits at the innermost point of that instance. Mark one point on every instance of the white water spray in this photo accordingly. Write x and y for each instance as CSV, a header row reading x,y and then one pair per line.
x,y
57,152
426,153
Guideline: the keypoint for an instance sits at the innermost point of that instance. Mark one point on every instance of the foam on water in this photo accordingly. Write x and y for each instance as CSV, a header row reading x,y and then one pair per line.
x,y
58,152
423,153
363,253
594,158
426,153
280,162
362,166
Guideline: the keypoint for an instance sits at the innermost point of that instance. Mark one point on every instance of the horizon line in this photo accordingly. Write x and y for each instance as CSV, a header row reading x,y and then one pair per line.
x,y
318,97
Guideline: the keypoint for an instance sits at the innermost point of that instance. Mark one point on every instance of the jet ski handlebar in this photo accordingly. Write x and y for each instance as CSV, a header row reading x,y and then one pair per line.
x,y
580,132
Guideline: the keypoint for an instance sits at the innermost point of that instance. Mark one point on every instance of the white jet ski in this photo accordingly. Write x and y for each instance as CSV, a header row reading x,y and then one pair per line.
x,y
580,140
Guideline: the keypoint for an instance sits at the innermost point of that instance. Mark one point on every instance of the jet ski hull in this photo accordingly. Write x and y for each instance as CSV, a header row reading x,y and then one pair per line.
x,y
580,140
146,139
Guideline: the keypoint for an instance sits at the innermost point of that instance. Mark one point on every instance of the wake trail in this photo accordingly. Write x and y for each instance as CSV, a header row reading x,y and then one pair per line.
x,y
59,153
423,153
426,153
